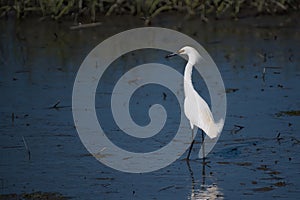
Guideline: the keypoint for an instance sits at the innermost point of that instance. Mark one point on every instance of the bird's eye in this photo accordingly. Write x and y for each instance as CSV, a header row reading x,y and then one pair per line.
x,y
181,51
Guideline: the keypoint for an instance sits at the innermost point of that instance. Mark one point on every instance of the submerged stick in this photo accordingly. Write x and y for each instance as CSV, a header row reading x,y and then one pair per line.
x,y
166,188
26,147
263,74
55,106
12,117
80,26
237,128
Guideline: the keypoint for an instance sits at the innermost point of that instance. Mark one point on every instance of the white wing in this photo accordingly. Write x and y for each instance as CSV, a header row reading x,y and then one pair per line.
x,y
199,114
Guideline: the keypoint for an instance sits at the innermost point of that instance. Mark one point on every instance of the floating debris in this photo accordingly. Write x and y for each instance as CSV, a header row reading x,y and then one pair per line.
x,y
26,147
243,163
235,163
263,56
263,74
288,113
231,90
278,138
263,189
280,184
166,188
263,168
236,129
12,117
90,25
164,96
22,71
291,58
274,173
223,163
265,71
55,106
35,195
295,140
105,179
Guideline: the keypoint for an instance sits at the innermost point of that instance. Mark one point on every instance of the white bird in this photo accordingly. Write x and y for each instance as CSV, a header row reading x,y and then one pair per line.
x,y
195,108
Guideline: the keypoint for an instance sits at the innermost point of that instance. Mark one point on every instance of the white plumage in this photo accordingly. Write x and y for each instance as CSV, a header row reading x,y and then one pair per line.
x,y
195,108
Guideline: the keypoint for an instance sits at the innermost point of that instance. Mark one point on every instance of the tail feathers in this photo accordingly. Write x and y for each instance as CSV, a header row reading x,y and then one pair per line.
x,y
215,129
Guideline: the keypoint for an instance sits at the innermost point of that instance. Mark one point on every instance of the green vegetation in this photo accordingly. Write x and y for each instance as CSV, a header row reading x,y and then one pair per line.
x,y
146,9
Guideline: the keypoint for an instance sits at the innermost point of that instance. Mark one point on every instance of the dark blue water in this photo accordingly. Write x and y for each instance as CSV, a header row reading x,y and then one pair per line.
x,y
257,155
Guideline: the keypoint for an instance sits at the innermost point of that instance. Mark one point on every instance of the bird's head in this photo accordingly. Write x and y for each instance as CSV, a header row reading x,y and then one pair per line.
x,y
192,54
187,50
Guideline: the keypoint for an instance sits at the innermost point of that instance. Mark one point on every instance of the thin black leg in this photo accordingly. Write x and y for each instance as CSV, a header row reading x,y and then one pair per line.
x,y
192,178
190,150
203,174
203,160
191,147
203,152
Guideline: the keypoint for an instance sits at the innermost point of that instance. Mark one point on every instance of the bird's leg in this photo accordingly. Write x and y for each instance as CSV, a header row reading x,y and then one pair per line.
x,y
203,173
191,147
203,152
193,133
203,162
192,177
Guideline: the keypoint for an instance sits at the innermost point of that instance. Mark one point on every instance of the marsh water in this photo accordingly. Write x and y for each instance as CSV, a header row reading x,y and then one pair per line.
x,y
256,156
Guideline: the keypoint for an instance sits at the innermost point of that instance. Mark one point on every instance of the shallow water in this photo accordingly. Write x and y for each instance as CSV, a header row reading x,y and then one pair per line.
x,y
257,155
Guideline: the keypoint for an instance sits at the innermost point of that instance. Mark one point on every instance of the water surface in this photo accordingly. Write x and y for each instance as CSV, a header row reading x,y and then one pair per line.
x,y
257,155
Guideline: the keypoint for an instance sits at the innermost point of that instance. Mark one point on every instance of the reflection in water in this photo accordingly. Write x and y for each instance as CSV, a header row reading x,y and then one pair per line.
x,y
206,191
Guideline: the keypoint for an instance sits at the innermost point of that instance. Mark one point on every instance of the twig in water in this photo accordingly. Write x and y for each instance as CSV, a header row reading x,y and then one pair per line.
x,y
278,138
80,26
296,140
263,74
26,147
12,117
237,128
165,188
55,106
263,56
265,69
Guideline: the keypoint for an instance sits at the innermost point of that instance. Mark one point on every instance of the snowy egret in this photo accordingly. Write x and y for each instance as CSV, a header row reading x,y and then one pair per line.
x,y
195,108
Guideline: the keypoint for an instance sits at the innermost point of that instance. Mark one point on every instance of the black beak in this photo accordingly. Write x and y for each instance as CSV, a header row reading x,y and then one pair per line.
x,y
171,55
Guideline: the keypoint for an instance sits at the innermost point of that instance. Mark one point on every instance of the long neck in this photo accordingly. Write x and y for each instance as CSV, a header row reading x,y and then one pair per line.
x,y
188,76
